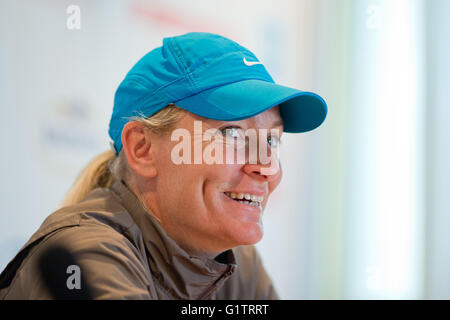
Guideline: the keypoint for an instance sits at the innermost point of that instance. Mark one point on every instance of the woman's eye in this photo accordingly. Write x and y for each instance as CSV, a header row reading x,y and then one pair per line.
x,y
238,133
274,141
232,132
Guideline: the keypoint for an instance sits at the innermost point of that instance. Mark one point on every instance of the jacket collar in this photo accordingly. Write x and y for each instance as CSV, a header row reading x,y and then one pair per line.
x,y
181,275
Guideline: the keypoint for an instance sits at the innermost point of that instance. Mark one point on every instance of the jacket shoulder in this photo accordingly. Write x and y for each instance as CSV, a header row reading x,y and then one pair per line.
x,y
97,229
112,266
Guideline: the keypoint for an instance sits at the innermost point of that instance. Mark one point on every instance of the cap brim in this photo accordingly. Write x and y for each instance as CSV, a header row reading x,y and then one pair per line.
x,y
300,111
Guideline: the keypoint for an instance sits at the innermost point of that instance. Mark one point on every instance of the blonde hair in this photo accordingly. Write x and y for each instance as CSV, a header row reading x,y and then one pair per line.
x,y
100,171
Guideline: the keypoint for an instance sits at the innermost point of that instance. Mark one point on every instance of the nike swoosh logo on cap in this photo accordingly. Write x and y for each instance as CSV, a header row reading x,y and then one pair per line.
x,y
251,63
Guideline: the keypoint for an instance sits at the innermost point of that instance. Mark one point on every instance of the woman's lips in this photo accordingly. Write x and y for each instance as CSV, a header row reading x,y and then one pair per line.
x,y
249,196
249,205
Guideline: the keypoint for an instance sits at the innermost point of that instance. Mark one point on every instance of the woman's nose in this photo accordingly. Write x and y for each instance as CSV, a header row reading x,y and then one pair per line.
x,y
268,172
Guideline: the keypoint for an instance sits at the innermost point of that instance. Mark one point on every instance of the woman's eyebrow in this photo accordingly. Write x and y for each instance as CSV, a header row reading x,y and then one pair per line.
x,y
217,123
278,123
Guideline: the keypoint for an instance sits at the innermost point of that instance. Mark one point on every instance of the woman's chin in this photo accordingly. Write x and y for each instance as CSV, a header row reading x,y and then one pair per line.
x,y
248,233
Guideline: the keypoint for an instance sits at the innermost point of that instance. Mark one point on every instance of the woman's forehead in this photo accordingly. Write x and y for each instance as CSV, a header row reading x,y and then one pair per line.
x,y
268,119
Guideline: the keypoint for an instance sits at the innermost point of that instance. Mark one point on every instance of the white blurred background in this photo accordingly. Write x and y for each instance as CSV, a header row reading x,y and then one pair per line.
x,y
362,211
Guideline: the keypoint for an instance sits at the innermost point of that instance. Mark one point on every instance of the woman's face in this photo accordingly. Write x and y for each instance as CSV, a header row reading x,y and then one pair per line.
x,y
194,201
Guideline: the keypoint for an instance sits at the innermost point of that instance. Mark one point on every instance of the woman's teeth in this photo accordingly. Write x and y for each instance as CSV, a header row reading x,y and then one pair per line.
x,y
246,198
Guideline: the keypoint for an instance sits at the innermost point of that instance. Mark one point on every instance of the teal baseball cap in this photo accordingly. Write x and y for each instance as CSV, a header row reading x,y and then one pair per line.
x,y
213,77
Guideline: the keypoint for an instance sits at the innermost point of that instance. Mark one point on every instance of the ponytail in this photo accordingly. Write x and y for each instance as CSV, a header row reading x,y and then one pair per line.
x,y
95,175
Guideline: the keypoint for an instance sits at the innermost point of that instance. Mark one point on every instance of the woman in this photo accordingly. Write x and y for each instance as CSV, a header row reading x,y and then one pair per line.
x,y
173,211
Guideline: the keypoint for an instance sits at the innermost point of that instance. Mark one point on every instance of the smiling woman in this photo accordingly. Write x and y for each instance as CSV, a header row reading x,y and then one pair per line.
x,y
215,222
141,224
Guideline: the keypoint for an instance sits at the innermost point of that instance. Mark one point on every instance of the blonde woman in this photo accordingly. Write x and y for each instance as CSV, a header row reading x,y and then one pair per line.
x,y
168,213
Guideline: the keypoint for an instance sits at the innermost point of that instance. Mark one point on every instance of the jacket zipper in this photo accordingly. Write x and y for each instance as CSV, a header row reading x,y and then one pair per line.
x,y
214,285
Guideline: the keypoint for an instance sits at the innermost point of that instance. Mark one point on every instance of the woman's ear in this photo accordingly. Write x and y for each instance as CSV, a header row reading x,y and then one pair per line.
x,y
139,149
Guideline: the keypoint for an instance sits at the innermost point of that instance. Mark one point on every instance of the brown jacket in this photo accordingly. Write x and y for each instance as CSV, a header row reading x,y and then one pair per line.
x,y
125,254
